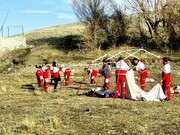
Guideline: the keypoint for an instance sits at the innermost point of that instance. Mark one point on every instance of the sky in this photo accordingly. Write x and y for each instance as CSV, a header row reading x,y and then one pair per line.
x,y
35,14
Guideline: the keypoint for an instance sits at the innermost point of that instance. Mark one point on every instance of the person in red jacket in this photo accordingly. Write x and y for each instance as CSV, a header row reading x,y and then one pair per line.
x,y
166,78
39,74
121,69
140,67
56,75
45,70
67,74
93,74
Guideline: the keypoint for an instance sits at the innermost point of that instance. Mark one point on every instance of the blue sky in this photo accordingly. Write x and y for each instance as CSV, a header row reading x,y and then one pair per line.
x,y
34,14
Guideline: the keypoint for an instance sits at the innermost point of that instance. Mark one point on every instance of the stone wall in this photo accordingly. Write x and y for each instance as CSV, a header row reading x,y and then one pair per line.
x,y
10,43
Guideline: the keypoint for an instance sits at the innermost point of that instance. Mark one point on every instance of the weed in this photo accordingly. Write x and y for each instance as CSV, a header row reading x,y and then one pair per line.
x,y
3,89
28,123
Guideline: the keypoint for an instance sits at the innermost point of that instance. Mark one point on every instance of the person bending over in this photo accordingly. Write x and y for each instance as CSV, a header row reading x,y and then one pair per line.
x,y
142,71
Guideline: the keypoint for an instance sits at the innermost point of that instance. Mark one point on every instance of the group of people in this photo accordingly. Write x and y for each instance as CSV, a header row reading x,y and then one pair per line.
x,y
122,67
43,75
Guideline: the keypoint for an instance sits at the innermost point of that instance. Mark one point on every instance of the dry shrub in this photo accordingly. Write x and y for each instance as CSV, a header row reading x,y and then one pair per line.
x,y
37,93
3,89
53,121
28,123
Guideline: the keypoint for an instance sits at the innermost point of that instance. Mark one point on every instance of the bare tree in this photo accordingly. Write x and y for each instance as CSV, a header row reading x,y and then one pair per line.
x,y
149,10
171,19
103,19
87,10
92,13
155,19
118,23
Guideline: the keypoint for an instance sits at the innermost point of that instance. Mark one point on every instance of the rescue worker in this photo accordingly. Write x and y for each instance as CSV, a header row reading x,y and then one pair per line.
x,y
140,67
67,74
39,74
56,76
166,78
121,69
45,70
51,72
106,72
93,74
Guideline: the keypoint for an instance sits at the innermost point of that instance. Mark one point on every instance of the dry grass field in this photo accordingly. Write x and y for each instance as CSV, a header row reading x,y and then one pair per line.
x,y
26,109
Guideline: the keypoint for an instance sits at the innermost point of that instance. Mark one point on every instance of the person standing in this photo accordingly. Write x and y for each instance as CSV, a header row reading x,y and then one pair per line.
x,y
51,72
93,74
56,75
39,74
140,67
67,74
45,70
121,69
166,78
106,72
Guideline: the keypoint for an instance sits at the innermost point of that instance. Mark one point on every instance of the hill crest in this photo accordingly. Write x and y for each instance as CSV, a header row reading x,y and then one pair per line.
x,y
55,31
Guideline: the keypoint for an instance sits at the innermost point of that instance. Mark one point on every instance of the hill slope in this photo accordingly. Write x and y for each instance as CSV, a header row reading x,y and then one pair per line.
x,y
55,31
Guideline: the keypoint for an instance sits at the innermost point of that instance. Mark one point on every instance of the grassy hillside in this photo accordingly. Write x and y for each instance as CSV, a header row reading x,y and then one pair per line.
x,y
54,32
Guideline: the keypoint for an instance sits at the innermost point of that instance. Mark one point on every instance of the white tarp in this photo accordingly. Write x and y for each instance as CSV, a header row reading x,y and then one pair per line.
x,y
134,92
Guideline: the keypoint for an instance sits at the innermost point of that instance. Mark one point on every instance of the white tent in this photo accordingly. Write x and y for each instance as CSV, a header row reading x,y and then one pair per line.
x,y
134,92
132,89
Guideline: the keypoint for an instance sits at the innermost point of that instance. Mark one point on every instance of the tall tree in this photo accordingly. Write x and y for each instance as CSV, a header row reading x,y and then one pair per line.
x,y
157,23
99,18
91,13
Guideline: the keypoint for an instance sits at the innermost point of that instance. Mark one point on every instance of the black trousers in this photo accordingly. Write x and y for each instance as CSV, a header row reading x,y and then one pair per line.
x,y
56,80
52,78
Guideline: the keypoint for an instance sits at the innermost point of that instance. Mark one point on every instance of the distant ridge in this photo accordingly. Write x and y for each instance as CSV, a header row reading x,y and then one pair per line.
x,y
55,31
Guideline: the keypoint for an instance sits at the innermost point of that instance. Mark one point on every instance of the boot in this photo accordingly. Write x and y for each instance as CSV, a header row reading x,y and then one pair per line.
x,y
46,89
116,94
55,90
123,96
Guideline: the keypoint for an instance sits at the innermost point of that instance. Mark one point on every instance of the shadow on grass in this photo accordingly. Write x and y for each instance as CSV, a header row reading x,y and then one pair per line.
x,y
66,43
28,87
79,82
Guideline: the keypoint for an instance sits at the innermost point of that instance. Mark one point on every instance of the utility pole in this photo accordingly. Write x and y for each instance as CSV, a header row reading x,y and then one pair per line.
x,y
8,31
23,30
2,31
2,26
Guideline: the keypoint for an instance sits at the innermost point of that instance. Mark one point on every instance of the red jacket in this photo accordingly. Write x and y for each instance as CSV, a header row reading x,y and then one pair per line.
x,y
166,72
51,70
140,67
56,72
92,72
45,72
67,70
121,72
39,72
